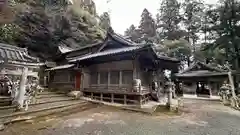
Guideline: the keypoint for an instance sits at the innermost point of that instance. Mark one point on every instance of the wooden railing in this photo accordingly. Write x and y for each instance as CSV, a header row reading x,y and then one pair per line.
x,y
118,88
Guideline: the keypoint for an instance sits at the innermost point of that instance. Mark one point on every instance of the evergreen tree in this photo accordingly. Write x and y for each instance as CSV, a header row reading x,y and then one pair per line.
x,y
224,26
192,18
179,49
105,22
169,20
44,27
147,26
133,34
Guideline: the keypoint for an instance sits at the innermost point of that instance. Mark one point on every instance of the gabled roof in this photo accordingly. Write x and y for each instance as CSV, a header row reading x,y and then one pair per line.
x,y
199,69
106,53
201,73
111,35
119,51
13,54
115,44
201,66
84,47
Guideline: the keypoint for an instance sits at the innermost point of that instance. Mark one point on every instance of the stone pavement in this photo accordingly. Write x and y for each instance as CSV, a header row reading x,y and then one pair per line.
x,y
200,118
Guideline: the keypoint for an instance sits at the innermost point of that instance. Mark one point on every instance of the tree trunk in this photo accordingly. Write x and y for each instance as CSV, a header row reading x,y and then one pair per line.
x,y
234,97
22,90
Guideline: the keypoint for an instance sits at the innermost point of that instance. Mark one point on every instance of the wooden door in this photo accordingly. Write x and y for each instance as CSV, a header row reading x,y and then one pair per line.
x,y
78,80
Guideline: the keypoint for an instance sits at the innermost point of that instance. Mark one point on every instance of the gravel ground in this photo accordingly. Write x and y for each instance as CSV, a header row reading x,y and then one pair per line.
x,y
200,118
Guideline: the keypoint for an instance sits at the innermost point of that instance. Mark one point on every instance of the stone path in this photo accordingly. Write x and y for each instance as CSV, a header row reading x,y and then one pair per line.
x,y
200,118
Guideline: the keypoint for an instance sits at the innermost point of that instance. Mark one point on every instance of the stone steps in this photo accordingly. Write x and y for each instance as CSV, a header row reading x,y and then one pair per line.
x,y
46,103
49,93
40,111
50,96
12,110
4,100
41,101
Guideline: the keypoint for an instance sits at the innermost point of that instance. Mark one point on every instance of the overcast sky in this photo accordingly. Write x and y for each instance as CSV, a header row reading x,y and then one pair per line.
x,y
127,12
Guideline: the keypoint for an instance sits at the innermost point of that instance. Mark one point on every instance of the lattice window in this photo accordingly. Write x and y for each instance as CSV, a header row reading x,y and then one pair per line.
x,y
94,78
103,77
127,77
114,77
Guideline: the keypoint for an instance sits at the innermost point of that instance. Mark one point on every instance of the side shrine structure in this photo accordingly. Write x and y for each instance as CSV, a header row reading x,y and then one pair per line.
x,y
116,70
201,80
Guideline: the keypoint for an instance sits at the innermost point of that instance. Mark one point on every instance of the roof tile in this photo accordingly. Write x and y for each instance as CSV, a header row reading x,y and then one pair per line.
x,y
14,53
104,53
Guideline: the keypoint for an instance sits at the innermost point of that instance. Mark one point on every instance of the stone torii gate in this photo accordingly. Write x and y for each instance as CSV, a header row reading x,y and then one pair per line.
x,y
17,63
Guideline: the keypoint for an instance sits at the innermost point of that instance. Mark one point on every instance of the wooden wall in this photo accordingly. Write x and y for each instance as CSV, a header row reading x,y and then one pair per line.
x,y
120,68
62,79
107,68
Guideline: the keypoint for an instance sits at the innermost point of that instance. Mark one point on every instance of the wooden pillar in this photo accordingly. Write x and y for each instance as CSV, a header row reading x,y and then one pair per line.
x,y
101,97
98,78
120,78
69,76
112,98
210,89
125,99
135,72
108,83
140,100
82,80
22,89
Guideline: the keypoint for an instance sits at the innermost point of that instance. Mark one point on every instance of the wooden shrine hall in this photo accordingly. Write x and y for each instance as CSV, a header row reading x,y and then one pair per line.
x,y
115,70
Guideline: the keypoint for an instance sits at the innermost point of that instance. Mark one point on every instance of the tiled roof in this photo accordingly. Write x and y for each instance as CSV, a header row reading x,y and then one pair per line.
x,y
201,73
13,53
107,52
121,39
201,66
61,67
65,49
162,57
119,50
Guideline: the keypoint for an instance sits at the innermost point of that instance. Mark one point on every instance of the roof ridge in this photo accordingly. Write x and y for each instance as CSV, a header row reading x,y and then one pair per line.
x,y
199,62
119,38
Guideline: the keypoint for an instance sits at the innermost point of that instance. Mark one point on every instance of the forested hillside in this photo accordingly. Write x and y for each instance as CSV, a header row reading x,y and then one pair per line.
x,y
43,25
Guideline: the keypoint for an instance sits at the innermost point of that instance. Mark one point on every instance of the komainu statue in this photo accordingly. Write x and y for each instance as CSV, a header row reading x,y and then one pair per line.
x,y
13,87
225,93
